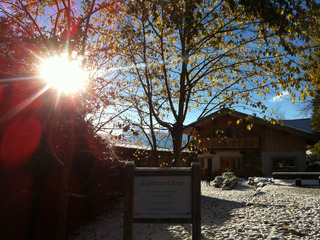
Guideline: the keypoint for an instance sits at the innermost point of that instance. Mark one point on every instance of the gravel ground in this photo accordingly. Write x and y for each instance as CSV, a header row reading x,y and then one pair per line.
x,y
275,211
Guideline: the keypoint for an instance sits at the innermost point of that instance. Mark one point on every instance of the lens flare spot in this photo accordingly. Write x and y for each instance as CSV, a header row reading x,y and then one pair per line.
x,y
19,141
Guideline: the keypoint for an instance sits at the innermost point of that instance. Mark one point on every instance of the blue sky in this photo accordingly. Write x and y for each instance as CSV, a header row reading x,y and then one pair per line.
x,y
281,105
284,104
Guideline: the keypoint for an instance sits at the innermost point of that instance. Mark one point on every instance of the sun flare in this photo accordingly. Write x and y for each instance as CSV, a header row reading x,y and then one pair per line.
x,y
63,74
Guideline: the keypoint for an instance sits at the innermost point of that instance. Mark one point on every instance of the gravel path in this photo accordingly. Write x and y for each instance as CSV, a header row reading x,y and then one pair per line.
x,y
275,211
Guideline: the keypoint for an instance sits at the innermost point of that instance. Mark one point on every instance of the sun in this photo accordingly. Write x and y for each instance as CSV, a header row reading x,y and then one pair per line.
x,y
63,74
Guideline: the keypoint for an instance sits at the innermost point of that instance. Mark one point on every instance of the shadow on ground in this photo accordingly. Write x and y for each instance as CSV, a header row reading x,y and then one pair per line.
x,y
216,211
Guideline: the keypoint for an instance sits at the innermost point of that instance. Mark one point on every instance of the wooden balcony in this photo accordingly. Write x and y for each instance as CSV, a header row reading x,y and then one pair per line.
x,y
229,143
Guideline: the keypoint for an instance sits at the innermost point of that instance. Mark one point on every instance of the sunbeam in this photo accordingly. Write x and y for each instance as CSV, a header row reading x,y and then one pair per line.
x,y
21,106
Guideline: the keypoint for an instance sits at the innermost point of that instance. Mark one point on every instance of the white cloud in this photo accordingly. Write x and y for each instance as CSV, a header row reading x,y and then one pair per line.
x,y
280,97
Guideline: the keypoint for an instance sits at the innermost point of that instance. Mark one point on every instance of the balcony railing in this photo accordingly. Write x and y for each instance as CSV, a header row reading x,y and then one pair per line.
x,y
229,143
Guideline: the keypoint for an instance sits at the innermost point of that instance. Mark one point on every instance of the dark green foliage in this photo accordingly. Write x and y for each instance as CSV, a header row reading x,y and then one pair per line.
x,y
313,69
31,190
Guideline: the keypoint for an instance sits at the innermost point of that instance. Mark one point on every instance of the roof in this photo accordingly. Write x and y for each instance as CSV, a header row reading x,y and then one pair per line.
x,y
300,127
302,124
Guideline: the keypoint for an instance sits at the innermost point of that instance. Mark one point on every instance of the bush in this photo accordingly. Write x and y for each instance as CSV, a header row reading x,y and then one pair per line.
x,y
226,181
31,193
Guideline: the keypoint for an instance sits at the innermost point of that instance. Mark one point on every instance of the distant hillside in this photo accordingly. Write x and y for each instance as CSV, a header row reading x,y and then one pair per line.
x,y
163,138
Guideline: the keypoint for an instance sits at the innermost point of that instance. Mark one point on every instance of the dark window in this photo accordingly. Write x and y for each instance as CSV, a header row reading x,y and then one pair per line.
x,y
284,164
237,163
234,132
240,132
202,163
231,163
228,133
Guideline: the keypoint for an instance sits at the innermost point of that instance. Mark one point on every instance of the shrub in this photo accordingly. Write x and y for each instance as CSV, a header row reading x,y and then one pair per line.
x,y
226,181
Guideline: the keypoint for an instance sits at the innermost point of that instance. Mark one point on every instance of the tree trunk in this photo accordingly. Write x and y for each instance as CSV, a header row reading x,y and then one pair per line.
x,y
176,134
155,158
67,141
63,200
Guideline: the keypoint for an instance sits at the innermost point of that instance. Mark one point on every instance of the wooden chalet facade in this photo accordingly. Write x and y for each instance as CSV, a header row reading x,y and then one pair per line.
x,y
248,146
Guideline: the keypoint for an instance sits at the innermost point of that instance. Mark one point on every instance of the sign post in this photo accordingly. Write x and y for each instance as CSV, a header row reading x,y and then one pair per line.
x,y
162,195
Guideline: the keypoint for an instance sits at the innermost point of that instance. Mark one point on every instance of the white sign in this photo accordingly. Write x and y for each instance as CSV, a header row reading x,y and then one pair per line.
x,y
162,197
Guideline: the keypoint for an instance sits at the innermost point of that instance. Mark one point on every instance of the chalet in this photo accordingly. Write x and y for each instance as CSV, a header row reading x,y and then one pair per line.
x,y
249,146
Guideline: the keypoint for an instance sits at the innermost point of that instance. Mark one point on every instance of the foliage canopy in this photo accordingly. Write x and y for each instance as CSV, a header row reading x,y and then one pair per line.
x,y
191,57
167,59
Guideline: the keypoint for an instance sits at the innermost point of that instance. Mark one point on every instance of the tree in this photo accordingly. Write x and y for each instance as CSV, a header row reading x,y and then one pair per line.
x,y
310,63
176,58
277,113
58,27
313,69
38,143
52,28
14,56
